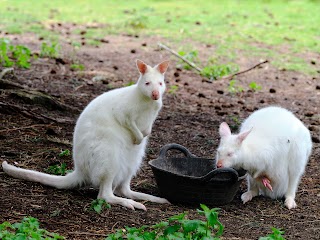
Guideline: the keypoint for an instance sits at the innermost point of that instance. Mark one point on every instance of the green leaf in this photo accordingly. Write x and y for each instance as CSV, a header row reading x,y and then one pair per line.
x,y
190,225
171,229
177,217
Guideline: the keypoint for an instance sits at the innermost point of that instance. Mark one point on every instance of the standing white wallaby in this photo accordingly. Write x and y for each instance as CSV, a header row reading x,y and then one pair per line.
x,y
273,146
109,140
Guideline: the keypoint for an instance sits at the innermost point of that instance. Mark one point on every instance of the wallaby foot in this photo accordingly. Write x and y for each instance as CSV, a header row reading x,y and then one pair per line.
x,y
247,196
143,196
106,193
290,203
127,192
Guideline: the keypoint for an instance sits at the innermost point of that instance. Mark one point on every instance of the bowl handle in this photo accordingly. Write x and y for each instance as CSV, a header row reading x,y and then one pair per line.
x,y
232,175
175,146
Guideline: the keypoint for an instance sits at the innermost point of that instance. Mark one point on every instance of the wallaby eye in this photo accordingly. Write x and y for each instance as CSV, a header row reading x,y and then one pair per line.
x,y
229,154
147,83
160,83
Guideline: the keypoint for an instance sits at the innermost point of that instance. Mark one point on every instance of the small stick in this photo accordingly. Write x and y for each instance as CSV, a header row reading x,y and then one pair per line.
x,y
178,56
199,69
25,127
5,71
244,71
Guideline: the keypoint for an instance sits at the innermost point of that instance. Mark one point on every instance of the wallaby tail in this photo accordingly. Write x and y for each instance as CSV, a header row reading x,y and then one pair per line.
x,y
71,180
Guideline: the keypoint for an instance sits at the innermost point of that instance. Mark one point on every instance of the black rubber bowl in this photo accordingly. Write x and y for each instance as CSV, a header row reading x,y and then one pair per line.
x,y
194,180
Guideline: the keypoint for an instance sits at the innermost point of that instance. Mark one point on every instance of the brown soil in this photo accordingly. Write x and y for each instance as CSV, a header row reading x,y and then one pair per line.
x,y
32,136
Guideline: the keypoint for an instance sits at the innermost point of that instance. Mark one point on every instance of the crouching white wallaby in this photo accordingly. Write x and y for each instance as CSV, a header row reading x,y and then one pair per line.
x,y
109,140
273,146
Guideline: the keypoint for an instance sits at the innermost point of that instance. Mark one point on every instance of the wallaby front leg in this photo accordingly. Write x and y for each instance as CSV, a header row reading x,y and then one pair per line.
x,y
147,131
135,132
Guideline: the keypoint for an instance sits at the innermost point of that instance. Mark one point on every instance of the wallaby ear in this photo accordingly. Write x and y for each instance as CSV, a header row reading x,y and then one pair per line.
x,y
224,130
162,67
243,136
142,67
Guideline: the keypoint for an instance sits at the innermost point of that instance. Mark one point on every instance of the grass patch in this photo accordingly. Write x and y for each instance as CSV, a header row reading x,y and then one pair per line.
x,y
231,26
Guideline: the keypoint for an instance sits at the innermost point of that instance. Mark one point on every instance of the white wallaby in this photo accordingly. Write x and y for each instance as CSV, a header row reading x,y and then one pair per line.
x,y
274,147
109,140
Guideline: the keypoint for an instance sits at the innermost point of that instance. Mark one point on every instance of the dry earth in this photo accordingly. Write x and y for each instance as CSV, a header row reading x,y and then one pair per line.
x,y
33,135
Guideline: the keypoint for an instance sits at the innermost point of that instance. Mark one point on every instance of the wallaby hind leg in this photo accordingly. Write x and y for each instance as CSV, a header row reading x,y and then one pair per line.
x,y
296,169
106,193
253,190
127,192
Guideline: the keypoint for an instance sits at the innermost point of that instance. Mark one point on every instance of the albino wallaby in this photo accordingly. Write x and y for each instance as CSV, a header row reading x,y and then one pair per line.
x,y
109,140
273,146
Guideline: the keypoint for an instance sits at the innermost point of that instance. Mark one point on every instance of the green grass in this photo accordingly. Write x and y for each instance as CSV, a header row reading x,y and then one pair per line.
x,y
229,25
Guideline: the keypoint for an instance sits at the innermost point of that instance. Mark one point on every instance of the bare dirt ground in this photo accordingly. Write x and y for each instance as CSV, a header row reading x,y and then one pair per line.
x,y
32,136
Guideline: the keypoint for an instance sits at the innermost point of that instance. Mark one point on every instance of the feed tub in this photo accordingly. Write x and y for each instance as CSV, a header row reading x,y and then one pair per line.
x,y
194,180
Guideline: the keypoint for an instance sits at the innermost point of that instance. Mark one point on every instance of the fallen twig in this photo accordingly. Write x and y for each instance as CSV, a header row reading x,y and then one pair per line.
x,y
25,127
200,70
27,113
5,84
178,56
5,71
244,71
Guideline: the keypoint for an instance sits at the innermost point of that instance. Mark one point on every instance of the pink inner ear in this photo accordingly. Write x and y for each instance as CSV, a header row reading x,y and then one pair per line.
x,y
142,66
243,136
224,130
162,67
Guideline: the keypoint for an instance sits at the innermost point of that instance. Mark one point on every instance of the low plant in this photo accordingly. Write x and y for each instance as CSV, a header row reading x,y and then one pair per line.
x,y
235,123
79,67
130,83
213,72
65,153
177,227
58,169
28,228
10,54
173,89
234,87
139,22
275,235
98,205
192,56
49,50
22,55
254,86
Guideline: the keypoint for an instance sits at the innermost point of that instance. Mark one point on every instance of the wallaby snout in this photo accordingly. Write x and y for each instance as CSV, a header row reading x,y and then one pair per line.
x,y
155,95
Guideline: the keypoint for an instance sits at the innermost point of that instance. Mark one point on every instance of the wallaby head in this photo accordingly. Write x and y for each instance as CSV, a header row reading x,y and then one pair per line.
x,y
151,82
229,148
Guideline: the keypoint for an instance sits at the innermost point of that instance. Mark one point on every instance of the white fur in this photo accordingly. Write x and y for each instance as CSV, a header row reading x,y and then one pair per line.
x,y
110,139
272,142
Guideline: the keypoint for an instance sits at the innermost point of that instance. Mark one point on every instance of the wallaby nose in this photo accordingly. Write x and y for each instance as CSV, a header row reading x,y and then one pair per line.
x,y
219,164
155,95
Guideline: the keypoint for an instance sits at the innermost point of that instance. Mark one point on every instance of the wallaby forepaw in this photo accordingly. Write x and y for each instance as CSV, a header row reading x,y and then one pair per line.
x,y
246,197
146,133
290,203
137,141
